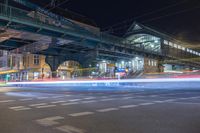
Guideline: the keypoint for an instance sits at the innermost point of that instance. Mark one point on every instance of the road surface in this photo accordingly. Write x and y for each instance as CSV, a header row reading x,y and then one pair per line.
x,y
40,110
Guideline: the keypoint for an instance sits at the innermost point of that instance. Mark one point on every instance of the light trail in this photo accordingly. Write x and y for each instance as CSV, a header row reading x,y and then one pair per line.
x,y
111,81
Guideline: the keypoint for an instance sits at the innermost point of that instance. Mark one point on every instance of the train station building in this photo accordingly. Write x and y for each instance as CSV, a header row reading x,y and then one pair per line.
x,y
27,66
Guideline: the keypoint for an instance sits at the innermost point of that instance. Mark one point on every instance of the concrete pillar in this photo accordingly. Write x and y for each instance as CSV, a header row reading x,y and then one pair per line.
x,y
53,62
54,74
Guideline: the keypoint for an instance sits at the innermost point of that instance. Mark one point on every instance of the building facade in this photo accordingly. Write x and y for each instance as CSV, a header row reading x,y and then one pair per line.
x,y
32,67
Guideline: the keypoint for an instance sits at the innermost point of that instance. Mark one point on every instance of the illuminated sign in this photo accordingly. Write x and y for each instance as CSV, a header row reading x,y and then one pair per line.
x,y
8,71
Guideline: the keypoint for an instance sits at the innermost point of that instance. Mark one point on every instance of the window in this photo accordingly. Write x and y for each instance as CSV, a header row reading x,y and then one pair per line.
x,y
171,44
166,42
24,60
155,63
146,42
179,47
36,60
175,46
193,52
183,48
1,53
149,63
152,63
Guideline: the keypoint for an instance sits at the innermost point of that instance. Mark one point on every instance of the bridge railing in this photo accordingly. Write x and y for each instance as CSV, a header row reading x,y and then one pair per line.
x,y
126,43
22,15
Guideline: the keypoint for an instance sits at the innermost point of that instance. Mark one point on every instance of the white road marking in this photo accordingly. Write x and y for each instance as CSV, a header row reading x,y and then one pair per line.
x,y
158,101
125,98
128,106
39,104
42,97
182,98
193,97
65,104
74,100
104,97
7,101
186,103
92,101
89,98
70,129
81,114
58,102
109,99
107,109
143,104
57,96
127,95
16,107
49,121
26,99
169,100
67,95
45,106
153,95
21,109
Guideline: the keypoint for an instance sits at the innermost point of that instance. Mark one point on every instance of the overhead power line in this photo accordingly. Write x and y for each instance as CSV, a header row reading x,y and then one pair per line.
x,y
159,17
53,5
149,13
65,1
172,14
161,9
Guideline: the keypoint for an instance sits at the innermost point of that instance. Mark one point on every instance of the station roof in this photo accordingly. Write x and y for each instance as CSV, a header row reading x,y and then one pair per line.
x,y
138,28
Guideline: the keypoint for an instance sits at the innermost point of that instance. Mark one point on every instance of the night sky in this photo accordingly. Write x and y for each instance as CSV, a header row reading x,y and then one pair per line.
x,y
185,26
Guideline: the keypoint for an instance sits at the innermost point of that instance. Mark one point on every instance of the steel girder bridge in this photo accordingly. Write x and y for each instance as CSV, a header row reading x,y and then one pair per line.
x,y
81,44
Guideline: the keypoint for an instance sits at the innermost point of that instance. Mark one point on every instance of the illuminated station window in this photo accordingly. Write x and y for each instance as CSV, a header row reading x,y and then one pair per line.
x,y
146,41
166,42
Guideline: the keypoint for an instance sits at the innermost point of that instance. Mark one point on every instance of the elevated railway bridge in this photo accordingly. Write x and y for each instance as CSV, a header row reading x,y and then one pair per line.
x,y
61,39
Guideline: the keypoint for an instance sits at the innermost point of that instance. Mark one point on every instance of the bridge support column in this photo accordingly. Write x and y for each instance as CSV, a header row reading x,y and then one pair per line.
x,y
161,65
54,62
85,60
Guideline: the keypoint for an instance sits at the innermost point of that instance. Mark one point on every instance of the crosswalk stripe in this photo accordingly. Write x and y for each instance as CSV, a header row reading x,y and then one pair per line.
x,y
27,99
81,114
128,106
107,109
109,99
92,101
38,104
143,104
74,100
7,101
70,129
16,107
73,103
49,121
21,109
45,106
58,102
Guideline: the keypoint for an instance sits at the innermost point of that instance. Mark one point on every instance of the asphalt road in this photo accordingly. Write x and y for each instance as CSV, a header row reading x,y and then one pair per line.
x,y
32,110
